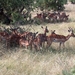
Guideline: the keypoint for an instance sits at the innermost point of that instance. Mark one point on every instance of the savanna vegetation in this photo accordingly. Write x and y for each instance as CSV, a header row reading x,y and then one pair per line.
x,y
12,11
51,61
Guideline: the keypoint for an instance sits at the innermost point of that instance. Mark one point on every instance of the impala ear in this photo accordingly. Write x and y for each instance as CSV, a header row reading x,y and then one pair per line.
x,y
36,33
54,31
70,29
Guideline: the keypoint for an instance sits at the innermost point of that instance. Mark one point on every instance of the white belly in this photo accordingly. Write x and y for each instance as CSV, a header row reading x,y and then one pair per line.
x,y
58,40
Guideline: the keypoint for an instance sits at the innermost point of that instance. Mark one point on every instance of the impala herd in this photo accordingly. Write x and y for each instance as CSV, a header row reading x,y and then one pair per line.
x,y
33,40
52,17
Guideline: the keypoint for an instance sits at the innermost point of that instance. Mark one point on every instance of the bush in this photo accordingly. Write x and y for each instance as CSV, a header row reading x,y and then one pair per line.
x,y
71,72
16,16
72,1
65,72
37,21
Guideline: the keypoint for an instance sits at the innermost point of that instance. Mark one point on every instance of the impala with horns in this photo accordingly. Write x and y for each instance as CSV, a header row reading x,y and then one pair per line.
x,y
61,39
41,38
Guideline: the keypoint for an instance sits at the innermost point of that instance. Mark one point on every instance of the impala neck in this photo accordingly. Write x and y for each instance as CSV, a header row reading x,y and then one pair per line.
x,y
44,32
68,36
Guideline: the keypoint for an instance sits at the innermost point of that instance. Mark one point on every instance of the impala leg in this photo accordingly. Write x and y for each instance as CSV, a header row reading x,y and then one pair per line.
x,y
31,47
60,46
63,46
20,45
27,47
43,44
40,45
49,43
36,46
7,44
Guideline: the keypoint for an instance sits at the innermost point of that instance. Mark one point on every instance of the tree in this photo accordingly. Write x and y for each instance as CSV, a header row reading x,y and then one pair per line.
x,y
50,4
12,7
72,1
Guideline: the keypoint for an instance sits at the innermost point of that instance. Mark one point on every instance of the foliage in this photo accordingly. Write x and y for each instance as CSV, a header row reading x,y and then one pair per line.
x,y
72,1
14,8
16,16
37,21
65,72
51,4
71,72
17,5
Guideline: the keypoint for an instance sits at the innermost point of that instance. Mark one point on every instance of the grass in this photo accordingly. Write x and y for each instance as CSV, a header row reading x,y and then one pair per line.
x,y
51,61
19,61
45,62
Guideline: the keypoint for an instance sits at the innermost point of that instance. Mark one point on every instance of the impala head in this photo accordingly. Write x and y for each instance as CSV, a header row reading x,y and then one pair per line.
x,y
34,35
45,29
72,32
52,31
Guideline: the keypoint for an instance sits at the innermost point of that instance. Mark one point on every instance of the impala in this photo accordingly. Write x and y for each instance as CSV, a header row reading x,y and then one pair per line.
x,y
52,17
41,38
62,16
61,39
25,42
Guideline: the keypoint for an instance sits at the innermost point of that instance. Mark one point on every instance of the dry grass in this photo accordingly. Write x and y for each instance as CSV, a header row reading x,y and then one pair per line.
x,y
45,62
26,62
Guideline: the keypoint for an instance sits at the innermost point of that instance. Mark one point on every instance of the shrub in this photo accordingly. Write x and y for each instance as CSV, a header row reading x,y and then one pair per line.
x,y
16,16
72,1
37,21
71,72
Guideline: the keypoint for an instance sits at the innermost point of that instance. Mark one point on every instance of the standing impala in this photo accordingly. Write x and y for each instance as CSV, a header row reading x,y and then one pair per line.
x,y
61,39
41,38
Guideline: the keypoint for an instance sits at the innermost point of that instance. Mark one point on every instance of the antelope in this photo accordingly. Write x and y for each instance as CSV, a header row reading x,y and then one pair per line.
x,y
63,16
39,16
18,38
61,39
13,38
36,43
52,17
25,42
41,38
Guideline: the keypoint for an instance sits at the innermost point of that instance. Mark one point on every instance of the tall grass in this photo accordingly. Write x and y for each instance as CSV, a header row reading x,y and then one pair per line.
x,y
44,62
51,61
